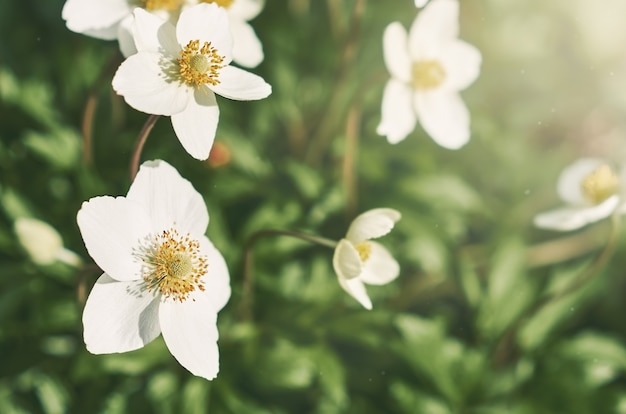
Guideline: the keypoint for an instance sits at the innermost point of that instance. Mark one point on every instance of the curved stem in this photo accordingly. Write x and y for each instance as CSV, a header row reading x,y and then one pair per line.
x,y
141,140
349,158
246,300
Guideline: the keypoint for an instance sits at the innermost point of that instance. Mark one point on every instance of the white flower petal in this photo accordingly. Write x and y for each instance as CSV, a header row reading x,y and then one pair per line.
x,y
190,333
247,48
106,33
572,218
241,85
380,267
398,117
112,229
217,281
444,117
153,34
372,224
168,198
356,289
40,240
461,63
438,21
119,316
206,23
94,16
144,86
195,126
245,10
396,52
125,36
346,260
569,182
420,3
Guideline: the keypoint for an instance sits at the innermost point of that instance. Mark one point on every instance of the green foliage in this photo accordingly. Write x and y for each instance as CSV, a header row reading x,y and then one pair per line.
x,y
474,324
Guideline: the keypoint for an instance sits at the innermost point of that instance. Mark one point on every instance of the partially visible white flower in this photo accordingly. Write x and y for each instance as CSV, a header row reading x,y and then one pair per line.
x,y
358,260
247,48
420,3
43,243
178,70
591,190
162,274
428,68
111,19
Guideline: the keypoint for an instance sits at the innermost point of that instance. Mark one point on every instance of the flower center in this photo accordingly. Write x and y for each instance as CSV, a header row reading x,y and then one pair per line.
x,y
222,3
428,74
600,184
365,249
200,65
173,265
168,5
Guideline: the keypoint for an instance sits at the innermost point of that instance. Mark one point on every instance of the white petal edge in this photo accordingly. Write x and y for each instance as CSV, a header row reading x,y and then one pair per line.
x,y
247,48
195,127
438,21
356,289
396,52
119,316
346,260
380,268
572,218
461,63
94,15
206,23
245,10
168,199
217,281
153,34
444,116
144,86
241,85
125,36
112,229
398,118
569,182
190,333
372,224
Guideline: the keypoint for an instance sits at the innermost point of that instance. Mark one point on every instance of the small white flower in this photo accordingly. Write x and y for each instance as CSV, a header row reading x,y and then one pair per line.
x,y
111,19
428,68
591,191
178,70
247,48
358,260
43,243
161,273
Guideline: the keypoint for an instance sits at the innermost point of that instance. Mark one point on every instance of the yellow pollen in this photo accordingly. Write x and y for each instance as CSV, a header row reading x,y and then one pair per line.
x,y
222,3
200,65
600,184
169,5
427,74
173,265
364,249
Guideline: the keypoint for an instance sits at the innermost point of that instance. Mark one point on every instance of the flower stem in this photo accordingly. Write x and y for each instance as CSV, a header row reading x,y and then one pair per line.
x,y
246,300
349,158
141,140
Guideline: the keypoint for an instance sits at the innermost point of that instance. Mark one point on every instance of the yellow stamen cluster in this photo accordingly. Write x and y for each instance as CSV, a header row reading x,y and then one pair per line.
x,y
168,5
173,265
200,65
222,3
427,74
365,249
600,184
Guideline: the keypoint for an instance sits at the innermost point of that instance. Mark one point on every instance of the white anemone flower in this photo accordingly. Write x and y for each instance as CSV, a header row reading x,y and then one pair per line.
x,y
428,67
591,190
358,260
161,273
178,70
247,48
111,19
420,3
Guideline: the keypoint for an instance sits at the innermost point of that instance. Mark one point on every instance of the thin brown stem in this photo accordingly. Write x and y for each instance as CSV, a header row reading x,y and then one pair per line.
x,y
248,279
349,159
141,140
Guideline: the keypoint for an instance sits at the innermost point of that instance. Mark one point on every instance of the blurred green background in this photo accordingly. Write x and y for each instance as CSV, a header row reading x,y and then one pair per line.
x,y
468,327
